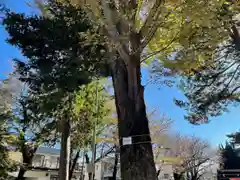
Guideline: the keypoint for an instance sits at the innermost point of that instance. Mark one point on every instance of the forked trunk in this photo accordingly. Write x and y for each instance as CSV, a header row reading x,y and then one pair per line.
x,y
137,158
65,151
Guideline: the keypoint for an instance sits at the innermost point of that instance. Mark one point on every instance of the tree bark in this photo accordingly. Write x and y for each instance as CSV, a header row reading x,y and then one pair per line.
x,y
114,177
72,167
65,151
137,160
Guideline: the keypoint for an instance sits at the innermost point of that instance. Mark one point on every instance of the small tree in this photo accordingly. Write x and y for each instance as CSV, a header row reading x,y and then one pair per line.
x,y
9,89
91,111
6,164
194,156
25,123
32,129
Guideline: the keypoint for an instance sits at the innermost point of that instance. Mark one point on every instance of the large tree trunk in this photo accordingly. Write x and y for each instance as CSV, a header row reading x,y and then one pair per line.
x,y
65,151
136,159
73,165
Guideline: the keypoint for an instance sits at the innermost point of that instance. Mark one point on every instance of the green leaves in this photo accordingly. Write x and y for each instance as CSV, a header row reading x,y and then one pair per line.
x,y
90,108
189,33
199,41
63,52
6,165
210,91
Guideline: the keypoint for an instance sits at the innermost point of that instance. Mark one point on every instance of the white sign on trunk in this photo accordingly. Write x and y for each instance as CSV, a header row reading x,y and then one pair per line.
x,y
127,141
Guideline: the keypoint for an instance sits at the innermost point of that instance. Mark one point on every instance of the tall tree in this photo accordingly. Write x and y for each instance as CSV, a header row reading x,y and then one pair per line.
x,y
164,27
63,53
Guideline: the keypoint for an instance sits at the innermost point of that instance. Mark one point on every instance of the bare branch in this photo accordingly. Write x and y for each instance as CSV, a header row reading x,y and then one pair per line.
x,y
235,89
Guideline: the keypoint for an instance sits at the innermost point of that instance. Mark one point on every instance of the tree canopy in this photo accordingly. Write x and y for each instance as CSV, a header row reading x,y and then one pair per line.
x,y
188,30
54,49
214,85
210,91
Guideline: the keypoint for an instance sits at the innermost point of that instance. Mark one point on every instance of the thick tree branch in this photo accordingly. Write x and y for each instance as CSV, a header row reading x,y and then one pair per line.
x,y
235,89
115,27
109,151
149,27
235,72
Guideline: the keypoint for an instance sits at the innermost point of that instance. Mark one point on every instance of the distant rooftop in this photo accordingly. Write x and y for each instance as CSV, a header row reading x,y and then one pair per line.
x,y
48,150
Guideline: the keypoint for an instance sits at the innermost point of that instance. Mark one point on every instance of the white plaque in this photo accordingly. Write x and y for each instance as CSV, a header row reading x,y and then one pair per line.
x,y
127,141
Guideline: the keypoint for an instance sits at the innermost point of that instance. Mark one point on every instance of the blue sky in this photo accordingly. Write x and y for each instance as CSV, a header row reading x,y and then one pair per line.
x,y
215,131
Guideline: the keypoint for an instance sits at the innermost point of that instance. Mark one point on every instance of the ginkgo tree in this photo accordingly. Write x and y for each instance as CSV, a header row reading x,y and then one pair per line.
x,y
138,30
214,87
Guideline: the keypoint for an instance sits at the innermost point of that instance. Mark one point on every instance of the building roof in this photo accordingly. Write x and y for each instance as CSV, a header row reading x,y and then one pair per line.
x,y
48,150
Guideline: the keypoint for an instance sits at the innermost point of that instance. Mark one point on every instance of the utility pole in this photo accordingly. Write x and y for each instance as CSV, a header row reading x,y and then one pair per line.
x,y
94,136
